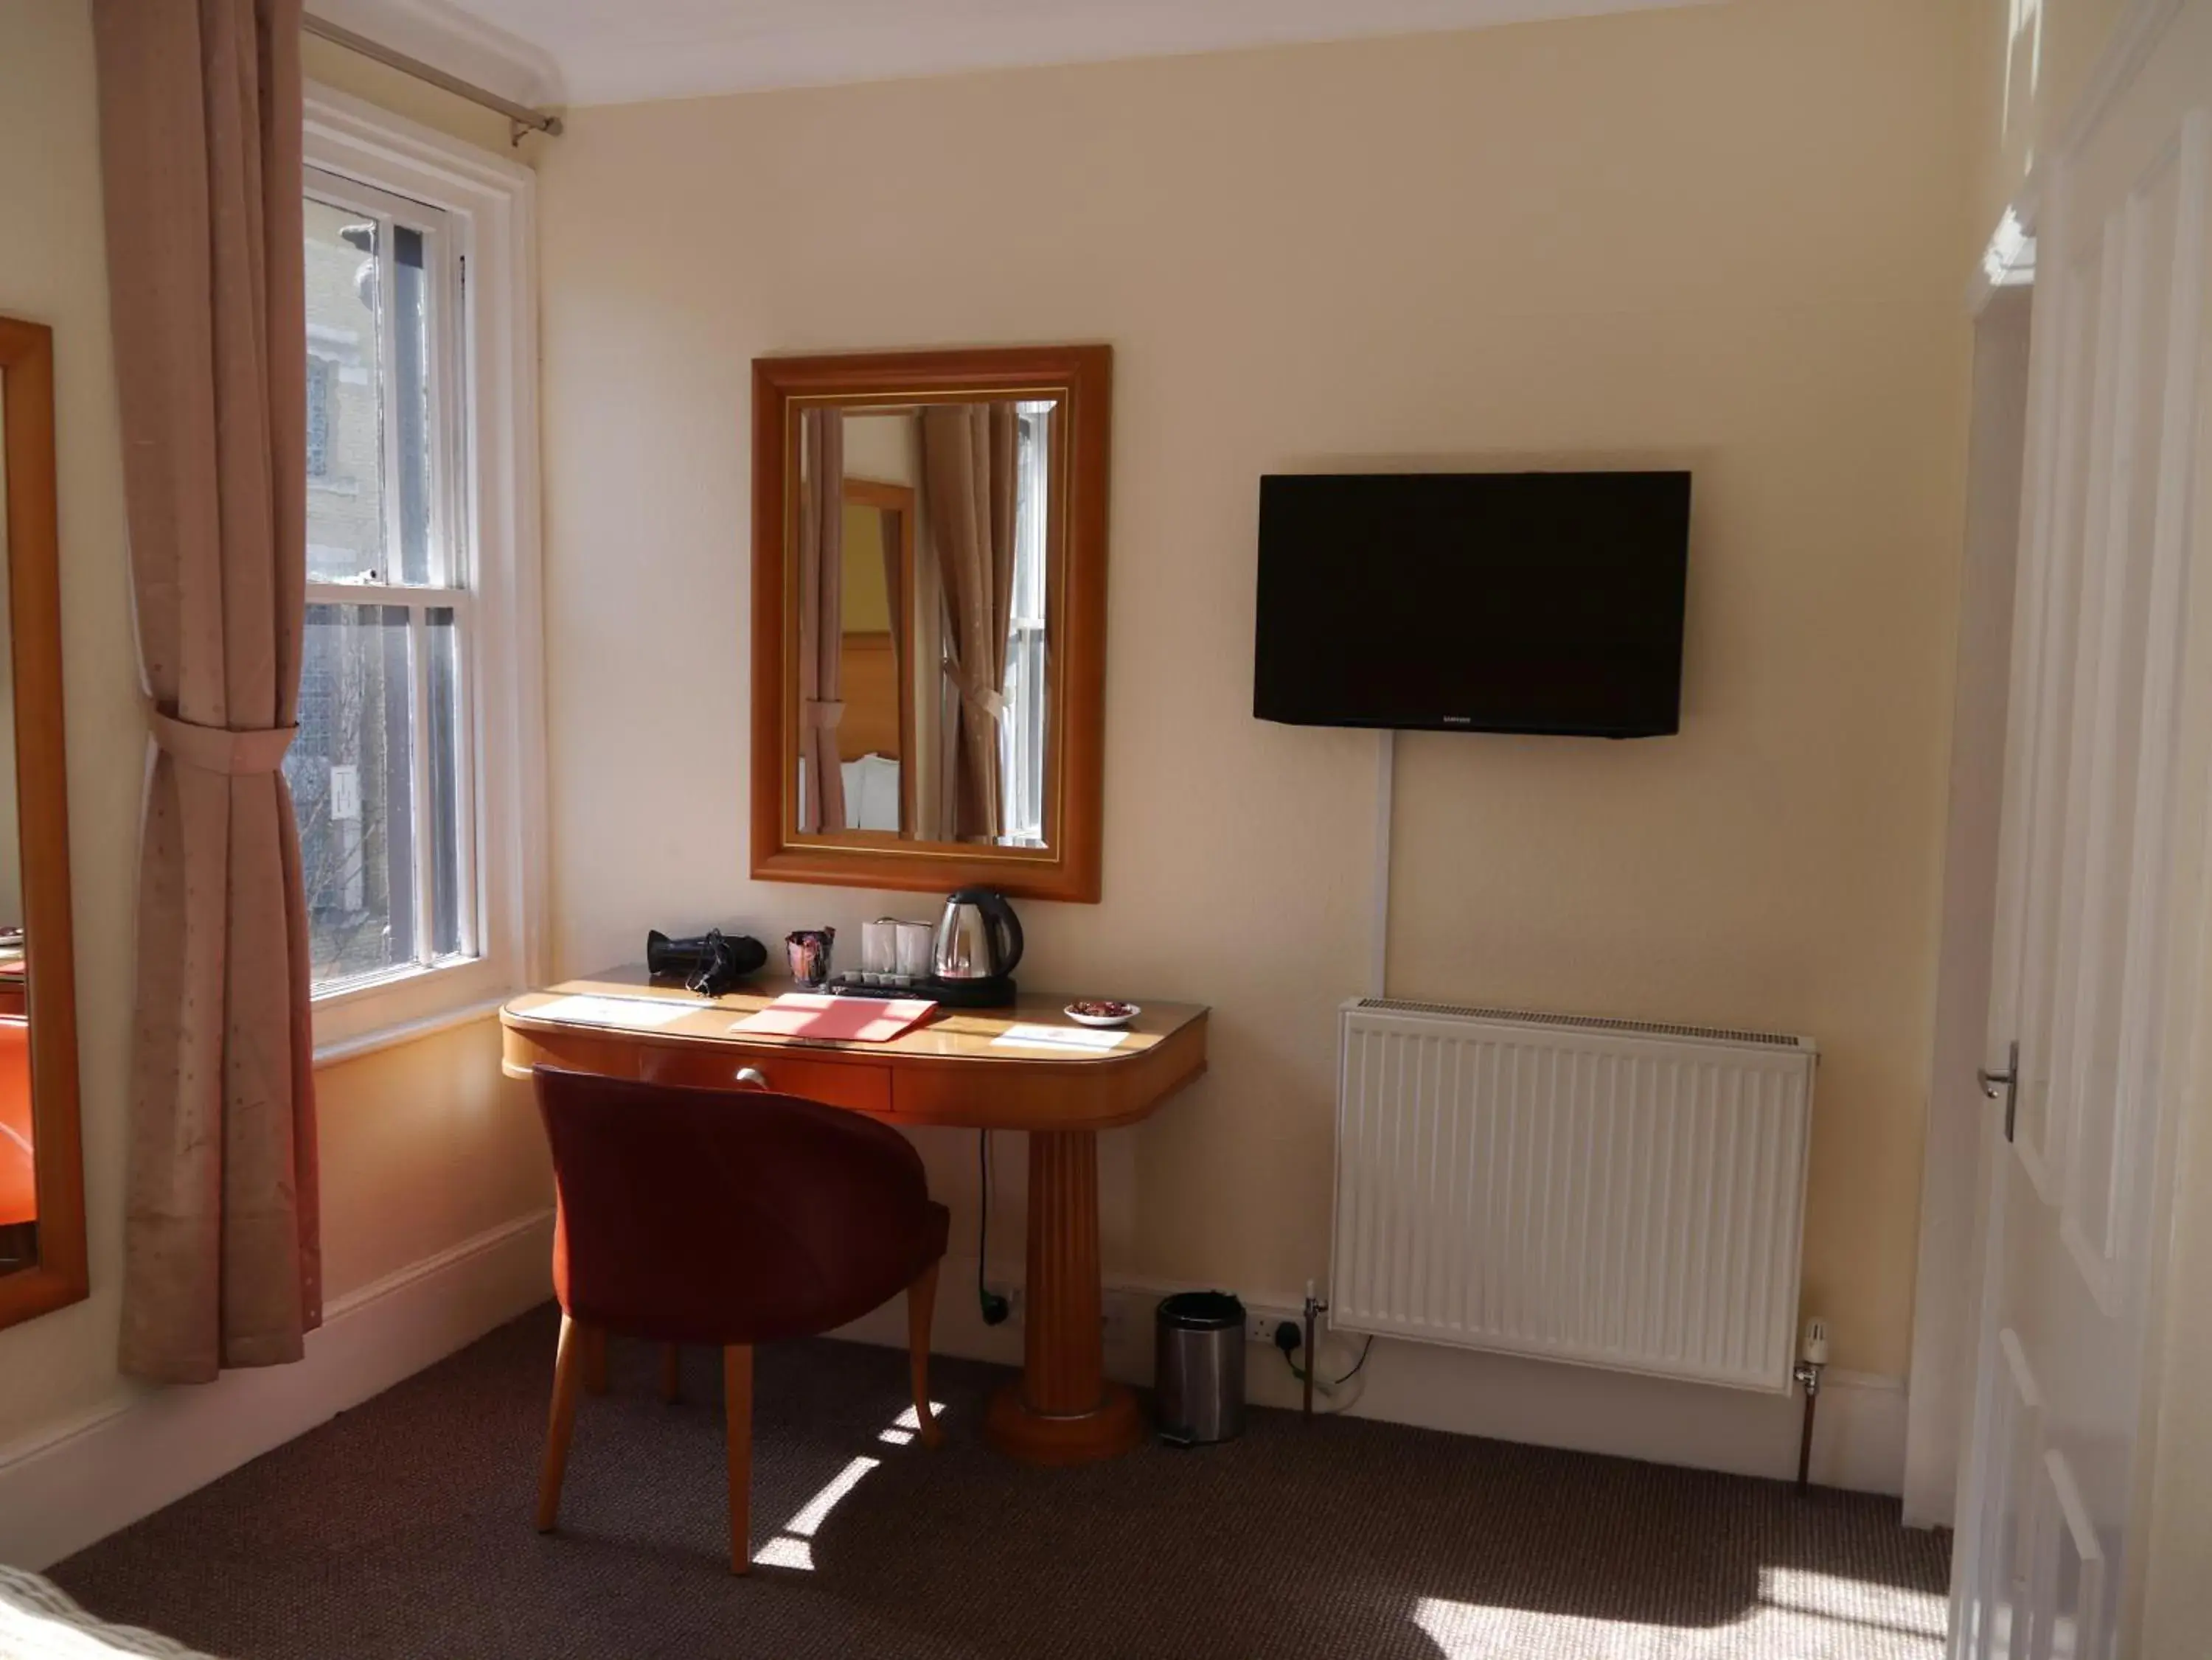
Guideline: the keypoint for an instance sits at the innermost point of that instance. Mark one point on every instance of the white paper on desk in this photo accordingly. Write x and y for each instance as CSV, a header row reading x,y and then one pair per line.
x,y
1069,1039
638,1012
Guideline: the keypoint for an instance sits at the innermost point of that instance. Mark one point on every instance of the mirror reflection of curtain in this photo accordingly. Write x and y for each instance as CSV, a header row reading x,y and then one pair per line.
x,y
894,586
925,684
967,456
821,618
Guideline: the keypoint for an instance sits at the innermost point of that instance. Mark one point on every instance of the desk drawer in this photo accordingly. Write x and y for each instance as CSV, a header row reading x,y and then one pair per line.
x,y
568,1049
858,1085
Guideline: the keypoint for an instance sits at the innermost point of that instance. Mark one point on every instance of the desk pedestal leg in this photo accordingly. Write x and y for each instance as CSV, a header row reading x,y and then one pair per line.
x,y
1062,1410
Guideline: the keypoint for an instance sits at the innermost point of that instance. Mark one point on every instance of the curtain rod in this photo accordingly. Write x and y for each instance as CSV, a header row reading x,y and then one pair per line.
x,y
525,118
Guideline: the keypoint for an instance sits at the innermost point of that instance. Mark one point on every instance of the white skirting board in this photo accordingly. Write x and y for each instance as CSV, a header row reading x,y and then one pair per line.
x,y
81,1481
1858,1434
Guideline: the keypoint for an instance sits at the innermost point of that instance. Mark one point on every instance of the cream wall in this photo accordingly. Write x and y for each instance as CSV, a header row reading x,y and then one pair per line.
x,y
402,94
423,1147
1722,237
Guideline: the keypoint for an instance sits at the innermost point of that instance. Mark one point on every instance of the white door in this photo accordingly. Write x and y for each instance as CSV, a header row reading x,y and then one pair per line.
x,y
2100,981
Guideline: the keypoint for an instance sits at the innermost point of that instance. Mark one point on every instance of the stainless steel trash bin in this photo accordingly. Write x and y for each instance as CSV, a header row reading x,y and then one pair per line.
x,y
1199,1368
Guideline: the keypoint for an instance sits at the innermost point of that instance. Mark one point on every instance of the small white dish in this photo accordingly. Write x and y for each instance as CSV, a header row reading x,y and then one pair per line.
x,y
1122,1013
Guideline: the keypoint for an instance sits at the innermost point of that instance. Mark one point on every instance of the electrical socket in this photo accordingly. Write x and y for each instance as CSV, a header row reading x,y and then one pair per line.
x,y
1113,1309
1113,1317
1124,1309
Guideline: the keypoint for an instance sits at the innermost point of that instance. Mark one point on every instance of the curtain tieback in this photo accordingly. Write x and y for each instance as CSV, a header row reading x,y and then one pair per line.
x,y
219,750
821,714
983,699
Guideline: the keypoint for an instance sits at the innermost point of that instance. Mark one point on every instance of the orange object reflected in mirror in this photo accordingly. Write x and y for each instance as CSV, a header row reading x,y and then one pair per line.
x,y
42,1249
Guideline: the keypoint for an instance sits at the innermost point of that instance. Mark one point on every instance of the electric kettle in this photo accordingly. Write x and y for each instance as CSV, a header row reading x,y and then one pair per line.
x,y
978,946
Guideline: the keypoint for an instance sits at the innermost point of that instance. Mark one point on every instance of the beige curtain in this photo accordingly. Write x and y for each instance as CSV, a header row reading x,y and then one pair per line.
x,y
968,460
895,583
822,618
200,138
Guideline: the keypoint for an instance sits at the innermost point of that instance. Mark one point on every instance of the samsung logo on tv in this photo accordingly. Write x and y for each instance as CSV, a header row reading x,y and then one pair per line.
x,y
1459,720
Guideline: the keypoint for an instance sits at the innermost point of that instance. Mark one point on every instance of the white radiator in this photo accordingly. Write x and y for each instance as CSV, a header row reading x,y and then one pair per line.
x,y
1614,1193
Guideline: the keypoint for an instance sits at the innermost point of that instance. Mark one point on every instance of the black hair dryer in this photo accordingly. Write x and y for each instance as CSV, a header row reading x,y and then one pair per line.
x,y
709,964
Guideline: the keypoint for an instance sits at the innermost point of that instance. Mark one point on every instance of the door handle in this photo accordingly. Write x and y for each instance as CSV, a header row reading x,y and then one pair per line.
x,y
2003,1086
751,1077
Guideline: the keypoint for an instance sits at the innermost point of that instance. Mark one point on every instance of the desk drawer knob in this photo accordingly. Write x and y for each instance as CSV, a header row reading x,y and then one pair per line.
x,y
751,1077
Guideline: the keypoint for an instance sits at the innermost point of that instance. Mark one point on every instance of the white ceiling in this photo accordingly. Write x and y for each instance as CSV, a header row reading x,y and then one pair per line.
x,y
612,51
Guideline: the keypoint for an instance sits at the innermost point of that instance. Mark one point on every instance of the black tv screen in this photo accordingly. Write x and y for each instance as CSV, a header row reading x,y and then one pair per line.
x,y
1473,601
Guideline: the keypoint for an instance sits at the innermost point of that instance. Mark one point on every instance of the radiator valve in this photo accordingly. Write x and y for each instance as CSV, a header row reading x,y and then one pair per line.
x,y
1816,1341
1813,1359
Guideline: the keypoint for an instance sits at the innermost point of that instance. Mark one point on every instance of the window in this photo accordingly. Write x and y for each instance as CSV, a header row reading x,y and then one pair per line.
x,y
420,727
378,771
1021,734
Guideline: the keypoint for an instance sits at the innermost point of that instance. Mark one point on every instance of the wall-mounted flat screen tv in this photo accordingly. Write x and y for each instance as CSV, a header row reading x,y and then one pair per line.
x,y
1473,601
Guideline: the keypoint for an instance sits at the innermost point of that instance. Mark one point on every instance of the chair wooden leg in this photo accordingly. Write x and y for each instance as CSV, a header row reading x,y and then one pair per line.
x,y
672,1373
595,1362
738,1408
568,1366
920,1304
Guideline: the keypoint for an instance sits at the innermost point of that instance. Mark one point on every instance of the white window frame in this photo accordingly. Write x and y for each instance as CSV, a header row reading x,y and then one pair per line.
x,y
489,207
447,400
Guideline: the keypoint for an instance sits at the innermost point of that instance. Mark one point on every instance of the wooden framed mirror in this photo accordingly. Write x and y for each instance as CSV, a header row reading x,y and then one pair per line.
x,y
42,1249
929,588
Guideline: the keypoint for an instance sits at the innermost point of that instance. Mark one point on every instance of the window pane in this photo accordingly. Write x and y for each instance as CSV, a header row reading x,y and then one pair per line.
x,y
345,413
442,638
1020,733
351,771
411,401
1021,737
1033,465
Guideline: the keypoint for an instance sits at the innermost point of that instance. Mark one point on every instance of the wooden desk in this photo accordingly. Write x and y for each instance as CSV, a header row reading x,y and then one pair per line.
x,y
1063,1410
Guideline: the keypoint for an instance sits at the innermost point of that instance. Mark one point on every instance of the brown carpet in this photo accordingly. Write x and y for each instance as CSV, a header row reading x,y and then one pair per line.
x,y
403,1529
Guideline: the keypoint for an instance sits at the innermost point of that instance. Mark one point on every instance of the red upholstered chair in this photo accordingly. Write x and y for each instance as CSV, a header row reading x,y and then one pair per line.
x,y
727,1218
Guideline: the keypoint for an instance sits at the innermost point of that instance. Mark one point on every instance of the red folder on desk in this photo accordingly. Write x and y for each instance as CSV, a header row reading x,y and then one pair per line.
x,y
836,1020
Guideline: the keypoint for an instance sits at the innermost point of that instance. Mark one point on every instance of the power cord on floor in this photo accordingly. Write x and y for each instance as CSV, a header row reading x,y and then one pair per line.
x,y
1322,1386
996,1308
1363,1349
